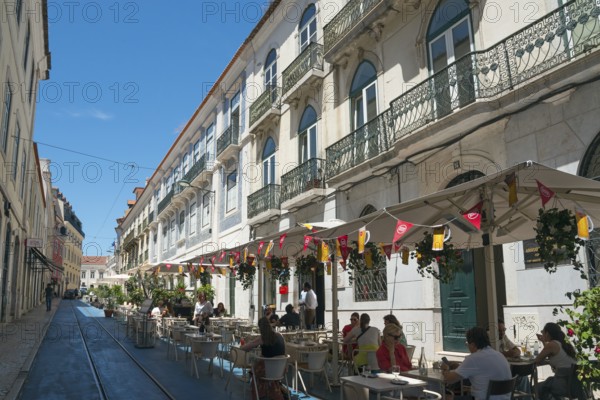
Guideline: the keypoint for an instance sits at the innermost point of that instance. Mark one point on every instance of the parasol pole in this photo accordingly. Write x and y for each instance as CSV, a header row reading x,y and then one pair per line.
x,y
334,316
488,253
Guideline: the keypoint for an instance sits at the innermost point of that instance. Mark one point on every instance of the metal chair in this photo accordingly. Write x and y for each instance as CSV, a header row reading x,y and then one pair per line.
x,y
239,359
315,362
355,392
177,337
275,368
425,395
202,349
496,388
575,388
527,380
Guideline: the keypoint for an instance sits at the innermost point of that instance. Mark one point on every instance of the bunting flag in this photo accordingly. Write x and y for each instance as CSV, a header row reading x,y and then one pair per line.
x,y
308,226
338,250
269,264
231,260
438,238
583,230
362,233
212,262
306,242
260,246
200,270
397,247
180,269
250,260
368,259
237,257
323,252
192,268
545,193
328,267
245,254
200,264
387,250
281,240
401,228
473,215
405,254
343,241
343,264
222,256
197,274
511,181
168,267
269,247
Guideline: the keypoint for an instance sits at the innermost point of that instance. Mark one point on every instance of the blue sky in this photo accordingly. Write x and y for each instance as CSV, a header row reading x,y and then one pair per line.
x,y
126,77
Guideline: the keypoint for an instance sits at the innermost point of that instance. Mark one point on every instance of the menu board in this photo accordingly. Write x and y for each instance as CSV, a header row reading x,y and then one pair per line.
x,y
531,253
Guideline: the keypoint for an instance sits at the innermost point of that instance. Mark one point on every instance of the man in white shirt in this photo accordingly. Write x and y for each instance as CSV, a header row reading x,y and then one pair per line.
x,y
309,300
508,348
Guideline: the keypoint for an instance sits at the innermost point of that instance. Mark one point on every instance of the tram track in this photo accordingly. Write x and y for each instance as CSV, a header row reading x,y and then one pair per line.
x,y
138,383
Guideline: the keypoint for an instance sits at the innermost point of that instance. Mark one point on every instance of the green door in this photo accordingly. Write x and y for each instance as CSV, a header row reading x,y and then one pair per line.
x,y
458,306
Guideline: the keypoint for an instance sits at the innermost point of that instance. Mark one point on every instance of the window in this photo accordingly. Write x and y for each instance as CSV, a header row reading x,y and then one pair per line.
x,y
196,153
172,233
15,160
271,69
308,27
231,191
23,166
82,274
181,233
307,135
185,164
371,285
193,219
92,274
448,39
205,209
363,94
235,115
268,161
100,275
6,114
210,144
165,240
18,9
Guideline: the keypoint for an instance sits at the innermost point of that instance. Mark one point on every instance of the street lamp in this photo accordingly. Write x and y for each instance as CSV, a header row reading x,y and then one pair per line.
x,y
184,183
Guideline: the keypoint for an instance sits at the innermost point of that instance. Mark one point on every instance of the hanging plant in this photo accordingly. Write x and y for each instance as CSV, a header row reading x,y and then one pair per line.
x,y
205,277
557,239
442,264
305,265
279,270
245,274
359,264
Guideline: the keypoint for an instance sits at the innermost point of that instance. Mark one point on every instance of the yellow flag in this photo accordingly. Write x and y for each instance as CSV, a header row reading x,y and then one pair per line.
x,y
328,268
323,252
362,233
438,238
583,230
180,268
405,254
269,247
338,249
245,254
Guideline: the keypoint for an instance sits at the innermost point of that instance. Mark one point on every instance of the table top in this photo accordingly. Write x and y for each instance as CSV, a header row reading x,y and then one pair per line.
x,y
207,336
433,375
523,360
382,382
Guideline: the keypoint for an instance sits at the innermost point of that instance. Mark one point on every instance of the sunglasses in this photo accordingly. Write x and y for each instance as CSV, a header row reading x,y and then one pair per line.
x,y
395,337
353,319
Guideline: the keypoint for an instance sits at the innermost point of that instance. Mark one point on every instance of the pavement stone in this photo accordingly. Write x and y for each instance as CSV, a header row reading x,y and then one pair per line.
x,y
19,342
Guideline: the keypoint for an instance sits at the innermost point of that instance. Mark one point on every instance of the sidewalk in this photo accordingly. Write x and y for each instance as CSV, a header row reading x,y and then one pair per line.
x,y
19,342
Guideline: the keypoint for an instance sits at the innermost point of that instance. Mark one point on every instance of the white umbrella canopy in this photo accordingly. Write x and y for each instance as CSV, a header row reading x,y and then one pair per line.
x,y
119,277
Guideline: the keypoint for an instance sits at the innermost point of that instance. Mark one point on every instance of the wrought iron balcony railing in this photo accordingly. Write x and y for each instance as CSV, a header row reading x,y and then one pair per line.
x,y
311,57
196,169
264,199
270,98
555,39
308,175
366,142
150,217
165,201
348,17
229,137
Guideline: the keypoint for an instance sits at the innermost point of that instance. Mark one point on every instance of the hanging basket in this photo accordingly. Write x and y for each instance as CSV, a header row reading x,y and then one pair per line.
x,y
442,265
370,261
245,274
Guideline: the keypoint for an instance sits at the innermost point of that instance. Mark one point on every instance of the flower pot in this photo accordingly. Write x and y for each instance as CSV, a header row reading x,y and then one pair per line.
x,y
108,313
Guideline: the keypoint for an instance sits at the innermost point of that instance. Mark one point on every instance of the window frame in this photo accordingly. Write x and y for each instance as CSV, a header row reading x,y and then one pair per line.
x,y
193,218
231,192
308,24
269,162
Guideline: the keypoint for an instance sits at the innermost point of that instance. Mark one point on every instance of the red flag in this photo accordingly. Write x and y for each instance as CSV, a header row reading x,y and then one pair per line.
x,y
401,228
260,246
281,240
212,261
343,264
201,261
306,242
474,215
222,256
343,240
387,249
545,193
237,257
168,267
397,247
250,260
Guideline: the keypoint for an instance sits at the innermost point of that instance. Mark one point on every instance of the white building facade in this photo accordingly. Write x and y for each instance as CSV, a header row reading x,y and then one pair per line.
x,y
332,110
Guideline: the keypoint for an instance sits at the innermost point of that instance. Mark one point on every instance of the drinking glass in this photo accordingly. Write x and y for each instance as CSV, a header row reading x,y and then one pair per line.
x,y
396,372
367,370
320,327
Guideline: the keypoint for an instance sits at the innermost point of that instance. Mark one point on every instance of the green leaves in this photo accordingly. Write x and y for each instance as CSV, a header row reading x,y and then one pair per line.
x,y
448,260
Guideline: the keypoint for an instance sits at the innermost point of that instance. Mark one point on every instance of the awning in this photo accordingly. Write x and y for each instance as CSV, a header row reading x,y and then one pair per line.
x,y
45,261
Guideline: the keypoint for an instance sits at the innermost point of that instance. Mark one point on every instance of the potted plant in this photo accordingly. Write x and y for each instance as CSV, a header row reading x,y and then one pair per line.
x,y
556,236
279,270
106,294
306,265
245,274
357,263
448,260
208,290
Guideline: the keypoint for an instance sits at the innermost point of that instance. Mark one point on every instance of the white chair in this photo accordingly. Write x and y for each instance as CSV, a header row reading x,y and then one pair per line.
x,y
177,338
315,362
355,392
239,359
425,395
205,350
227,340
275,368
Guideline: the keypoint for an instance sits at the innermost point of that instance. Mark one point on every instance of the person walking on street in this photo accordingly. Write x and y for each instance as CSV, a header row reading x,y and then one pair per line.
x,y
49,293
309,300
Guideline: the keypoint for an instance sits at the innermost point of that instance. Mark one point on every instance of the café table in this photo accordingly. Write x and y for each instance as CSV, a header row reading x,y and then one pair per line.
x,y
380,383
433,375
526,370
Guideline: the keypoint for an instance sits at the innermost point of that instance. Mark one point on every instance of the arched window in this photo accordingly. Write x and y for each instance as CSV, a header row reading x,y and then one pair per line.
x,y
465,177
449,38
271,69
308,27
307,135
268,161
363,93
369,209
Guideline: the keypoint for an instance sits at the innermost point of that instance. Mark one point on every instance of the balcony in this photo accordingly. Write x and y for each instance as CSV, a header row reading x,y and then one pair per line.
x,y
228,143
355,18
303,184
304,72
476,88
266,108
199,173
264,204
150,217
164,203
365,143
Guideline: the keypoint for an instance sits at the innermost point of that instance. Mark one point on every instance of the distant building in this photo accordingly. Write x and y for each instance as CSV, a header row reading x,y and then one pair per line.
x,y
72,242
93,270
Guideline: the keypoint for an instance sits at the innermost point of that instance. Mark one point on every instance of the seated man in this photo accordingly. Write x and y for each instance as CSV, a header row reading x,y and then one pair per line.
x,y
291,318
508,348
271,316
157,311
481,366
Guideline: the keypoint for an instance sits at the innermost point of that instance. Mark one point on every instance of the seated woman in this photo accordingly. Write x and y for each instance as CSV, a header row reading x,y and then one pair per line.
x,y
348,349
271,344
391,319
368,339
220,311
392,352
561,356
